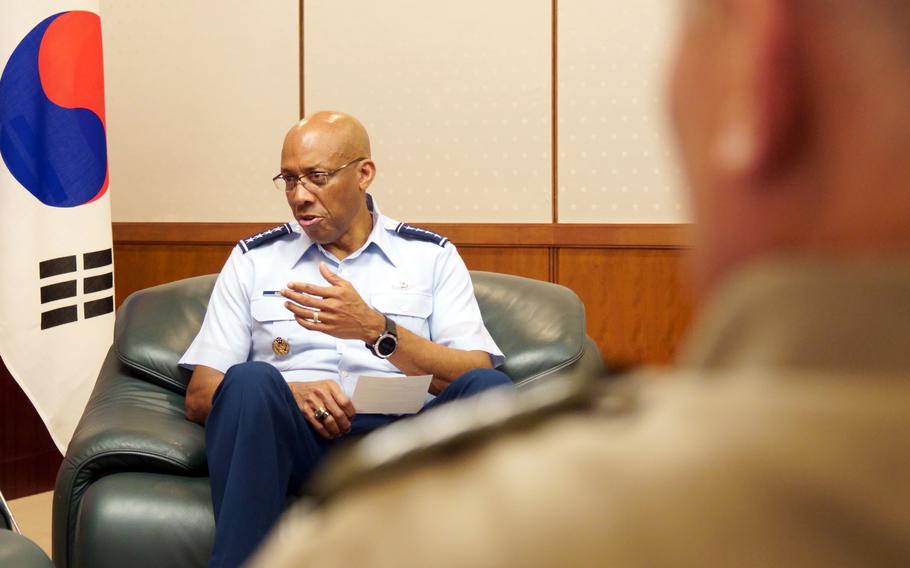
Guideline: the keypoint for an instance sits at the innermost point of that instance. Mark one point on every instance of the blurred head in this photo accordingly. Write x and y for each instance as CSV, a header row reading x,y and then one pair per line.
x,y
333,214
792,125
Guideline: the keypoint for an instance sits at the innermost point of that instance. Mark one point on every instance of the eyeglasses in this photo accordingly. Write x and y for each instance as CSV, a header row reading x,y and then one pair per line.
x,y
313,179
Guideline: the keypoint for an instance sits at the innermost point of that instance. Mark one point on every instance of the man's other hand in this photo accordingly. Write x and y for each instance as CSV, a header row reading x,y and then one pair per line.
x,y
336,310
315,395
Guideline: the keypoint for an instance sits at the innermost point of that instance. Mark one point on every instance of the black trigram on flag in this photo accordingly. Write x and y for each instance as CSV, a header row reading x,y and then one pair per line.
x,y
62,290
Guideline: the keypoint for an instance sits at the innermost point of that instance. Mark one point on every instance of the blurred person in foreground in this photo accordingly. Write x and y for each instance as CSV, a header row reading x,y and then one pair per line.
x,y
782,438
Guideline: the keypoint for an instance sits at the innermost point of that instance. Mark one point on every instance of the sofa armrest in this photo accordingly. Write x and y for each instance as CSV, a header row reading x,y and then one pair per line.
x,y
18,551
128,425
587,365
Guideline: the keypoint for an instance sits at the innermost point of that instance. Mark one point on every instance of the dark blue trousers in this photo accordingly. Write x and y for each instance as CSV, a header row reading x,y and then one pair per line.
x,y
260,448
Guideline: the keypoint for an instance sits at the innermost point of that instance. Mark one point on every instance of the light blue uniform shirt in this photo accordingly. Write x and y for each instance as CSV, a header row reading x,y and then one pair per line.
x,y
424,287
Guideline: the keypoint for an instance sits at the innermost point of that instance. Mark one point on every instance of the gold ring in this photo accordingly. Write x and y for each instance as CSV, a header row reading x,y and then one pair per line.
x,y
315,317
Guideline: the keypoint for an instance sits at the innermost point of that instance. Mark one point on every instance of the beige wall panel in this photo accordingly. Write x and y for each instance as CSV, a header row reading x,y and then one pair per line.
x,y
616,159
199,95
456,96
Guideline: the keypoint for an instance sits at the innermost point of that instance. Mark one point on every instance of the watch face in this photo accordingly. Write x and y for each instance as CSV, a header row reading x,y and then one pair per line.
x,y
387,345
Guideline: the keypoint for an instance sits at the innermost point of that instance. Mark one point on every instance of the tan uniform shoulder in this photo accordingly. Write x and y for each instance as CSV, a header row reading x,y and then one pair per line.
x,y
452,429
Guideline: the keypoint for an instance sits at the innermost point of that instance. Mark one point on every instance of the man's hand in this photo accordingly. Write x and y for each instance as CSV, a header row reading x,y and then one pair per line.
x,y
342,313
313,395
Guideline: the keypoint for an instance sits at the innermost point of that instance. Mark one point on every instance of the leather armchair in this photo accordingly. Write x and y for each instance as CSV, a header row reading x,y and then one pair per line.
x,y
133,487
15,549
18,551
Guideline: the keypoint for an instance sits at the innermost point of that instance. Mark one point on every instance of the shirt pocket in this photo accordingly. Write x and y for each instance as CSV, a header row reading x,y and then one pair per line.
x,y
409,310
271,320
267,310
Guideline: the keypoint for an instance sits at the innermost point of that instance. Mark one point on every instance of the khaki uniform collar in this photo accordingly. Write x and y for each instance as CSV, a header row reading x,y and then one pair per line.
x,y
825,315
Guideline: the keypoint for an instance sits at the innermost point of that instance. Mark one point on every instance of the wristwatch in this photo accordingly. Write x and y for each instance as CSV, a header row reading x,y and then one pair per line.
x,y
387,341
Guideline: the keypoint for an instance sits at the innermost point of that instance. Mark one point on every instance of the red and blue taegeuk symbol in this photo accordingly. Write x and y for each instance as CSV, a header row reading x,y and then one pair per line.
x,y
52,130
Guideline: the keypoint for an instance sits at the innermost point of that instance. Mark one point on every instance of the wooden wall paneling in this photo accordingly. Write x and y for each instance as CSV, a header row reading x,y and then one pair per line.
x,y
565,235
502,235
629,276
527,262
138,266
638,303
29,460
185,233
554,265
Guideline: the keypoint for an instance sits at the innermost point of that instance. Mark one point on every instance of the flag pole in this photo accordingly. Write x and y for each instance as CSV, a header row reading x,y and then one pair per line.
x,y
8,515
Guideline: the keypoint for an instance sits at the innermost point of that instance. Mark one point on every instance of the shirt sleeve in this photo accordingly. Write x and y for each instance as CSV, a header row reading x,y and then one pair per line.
x,y
225,337
456,321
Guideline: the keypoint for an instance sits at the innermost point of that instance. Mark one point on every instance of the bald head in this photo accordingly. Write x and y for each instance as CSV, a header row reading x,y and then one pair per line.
x,y
329,155
793,127
341,136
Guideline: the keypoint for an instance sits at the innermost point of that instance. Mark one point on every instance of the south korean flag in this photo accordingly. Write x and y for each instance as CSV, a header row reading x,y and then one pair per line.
x,y
56,282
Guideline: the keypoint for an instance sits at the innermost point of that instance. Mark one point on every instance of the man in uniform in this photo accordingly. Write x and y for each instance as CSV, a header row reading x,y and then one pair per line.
x,y
783,436
301,311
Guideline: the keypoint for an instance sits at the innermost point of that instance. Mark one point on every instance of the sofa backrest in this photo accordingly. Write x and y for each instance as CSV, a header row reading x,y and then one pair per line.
x,y
539,326
156,325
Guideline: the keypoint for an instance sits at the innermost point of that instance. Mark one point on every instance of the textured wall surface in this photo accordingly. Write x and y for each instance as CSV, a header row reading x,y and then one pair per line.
x,y
199,96
456,96
615,155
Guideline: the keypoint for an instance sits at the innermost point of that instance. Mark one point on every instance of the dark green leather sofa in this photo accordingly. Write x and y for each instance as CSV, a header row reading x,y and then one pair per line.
x,y
133,488
19,552
15,549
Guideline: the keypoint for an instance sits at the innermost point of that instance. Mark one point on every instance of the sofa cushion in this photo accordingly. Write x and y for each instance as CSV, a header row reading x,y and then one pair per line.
x,y
143,520
155,327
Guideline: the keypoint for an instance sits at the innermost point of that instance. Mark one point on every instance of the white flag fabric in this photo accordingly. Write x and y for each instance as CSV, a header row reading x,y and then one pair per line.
x,y
56,280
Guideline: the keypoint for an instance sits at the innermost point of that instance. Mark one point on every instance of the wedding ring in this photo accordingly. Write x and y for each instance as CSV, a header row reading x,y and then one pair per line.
x,y
315,317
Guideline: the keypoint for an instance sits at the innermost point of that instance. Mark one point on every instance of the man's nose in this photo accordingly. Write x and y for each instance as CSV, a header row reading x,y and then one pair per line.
x,y
301,193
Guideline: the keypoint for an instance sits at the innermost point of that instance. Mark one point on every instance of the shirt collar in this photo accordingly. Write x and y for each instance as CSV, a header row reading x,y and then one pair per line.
x,y
378,236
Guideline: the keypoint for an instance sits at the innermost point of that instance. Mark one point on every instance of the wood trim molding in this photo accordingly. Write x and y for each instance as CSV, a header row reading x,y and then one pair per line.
x,y
562,235
554,110
185,233
300,52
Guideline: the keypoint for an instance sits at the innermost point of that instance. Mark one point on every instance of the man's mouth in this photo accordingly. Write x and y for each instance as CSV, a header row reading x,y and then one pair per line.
x,y
308,220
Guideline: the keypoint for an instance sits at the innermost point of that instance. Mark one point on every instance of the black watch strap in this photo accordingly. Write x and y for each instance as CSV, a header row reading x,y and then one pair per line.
x,y
384,345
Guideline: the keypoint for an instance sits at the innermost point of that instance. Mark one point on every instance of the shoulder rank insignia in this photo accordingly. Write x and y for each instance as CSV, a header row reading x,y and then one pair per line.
x,y
408,231
250,243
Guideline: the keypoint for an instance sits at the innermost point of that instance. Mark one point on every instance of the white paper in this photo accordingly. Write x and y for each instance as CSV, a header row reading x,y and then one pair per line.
x,y
391,395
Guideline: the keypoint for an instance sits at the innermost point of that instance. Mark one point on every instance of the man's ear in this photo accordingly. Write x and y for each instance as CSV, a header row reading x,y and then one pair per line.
x,y
366,171
758,123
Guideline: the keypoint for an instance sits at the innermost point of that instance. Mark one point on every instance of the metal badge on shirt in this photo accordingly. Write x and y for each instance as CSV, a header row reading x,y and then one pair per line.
x,y
280,346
